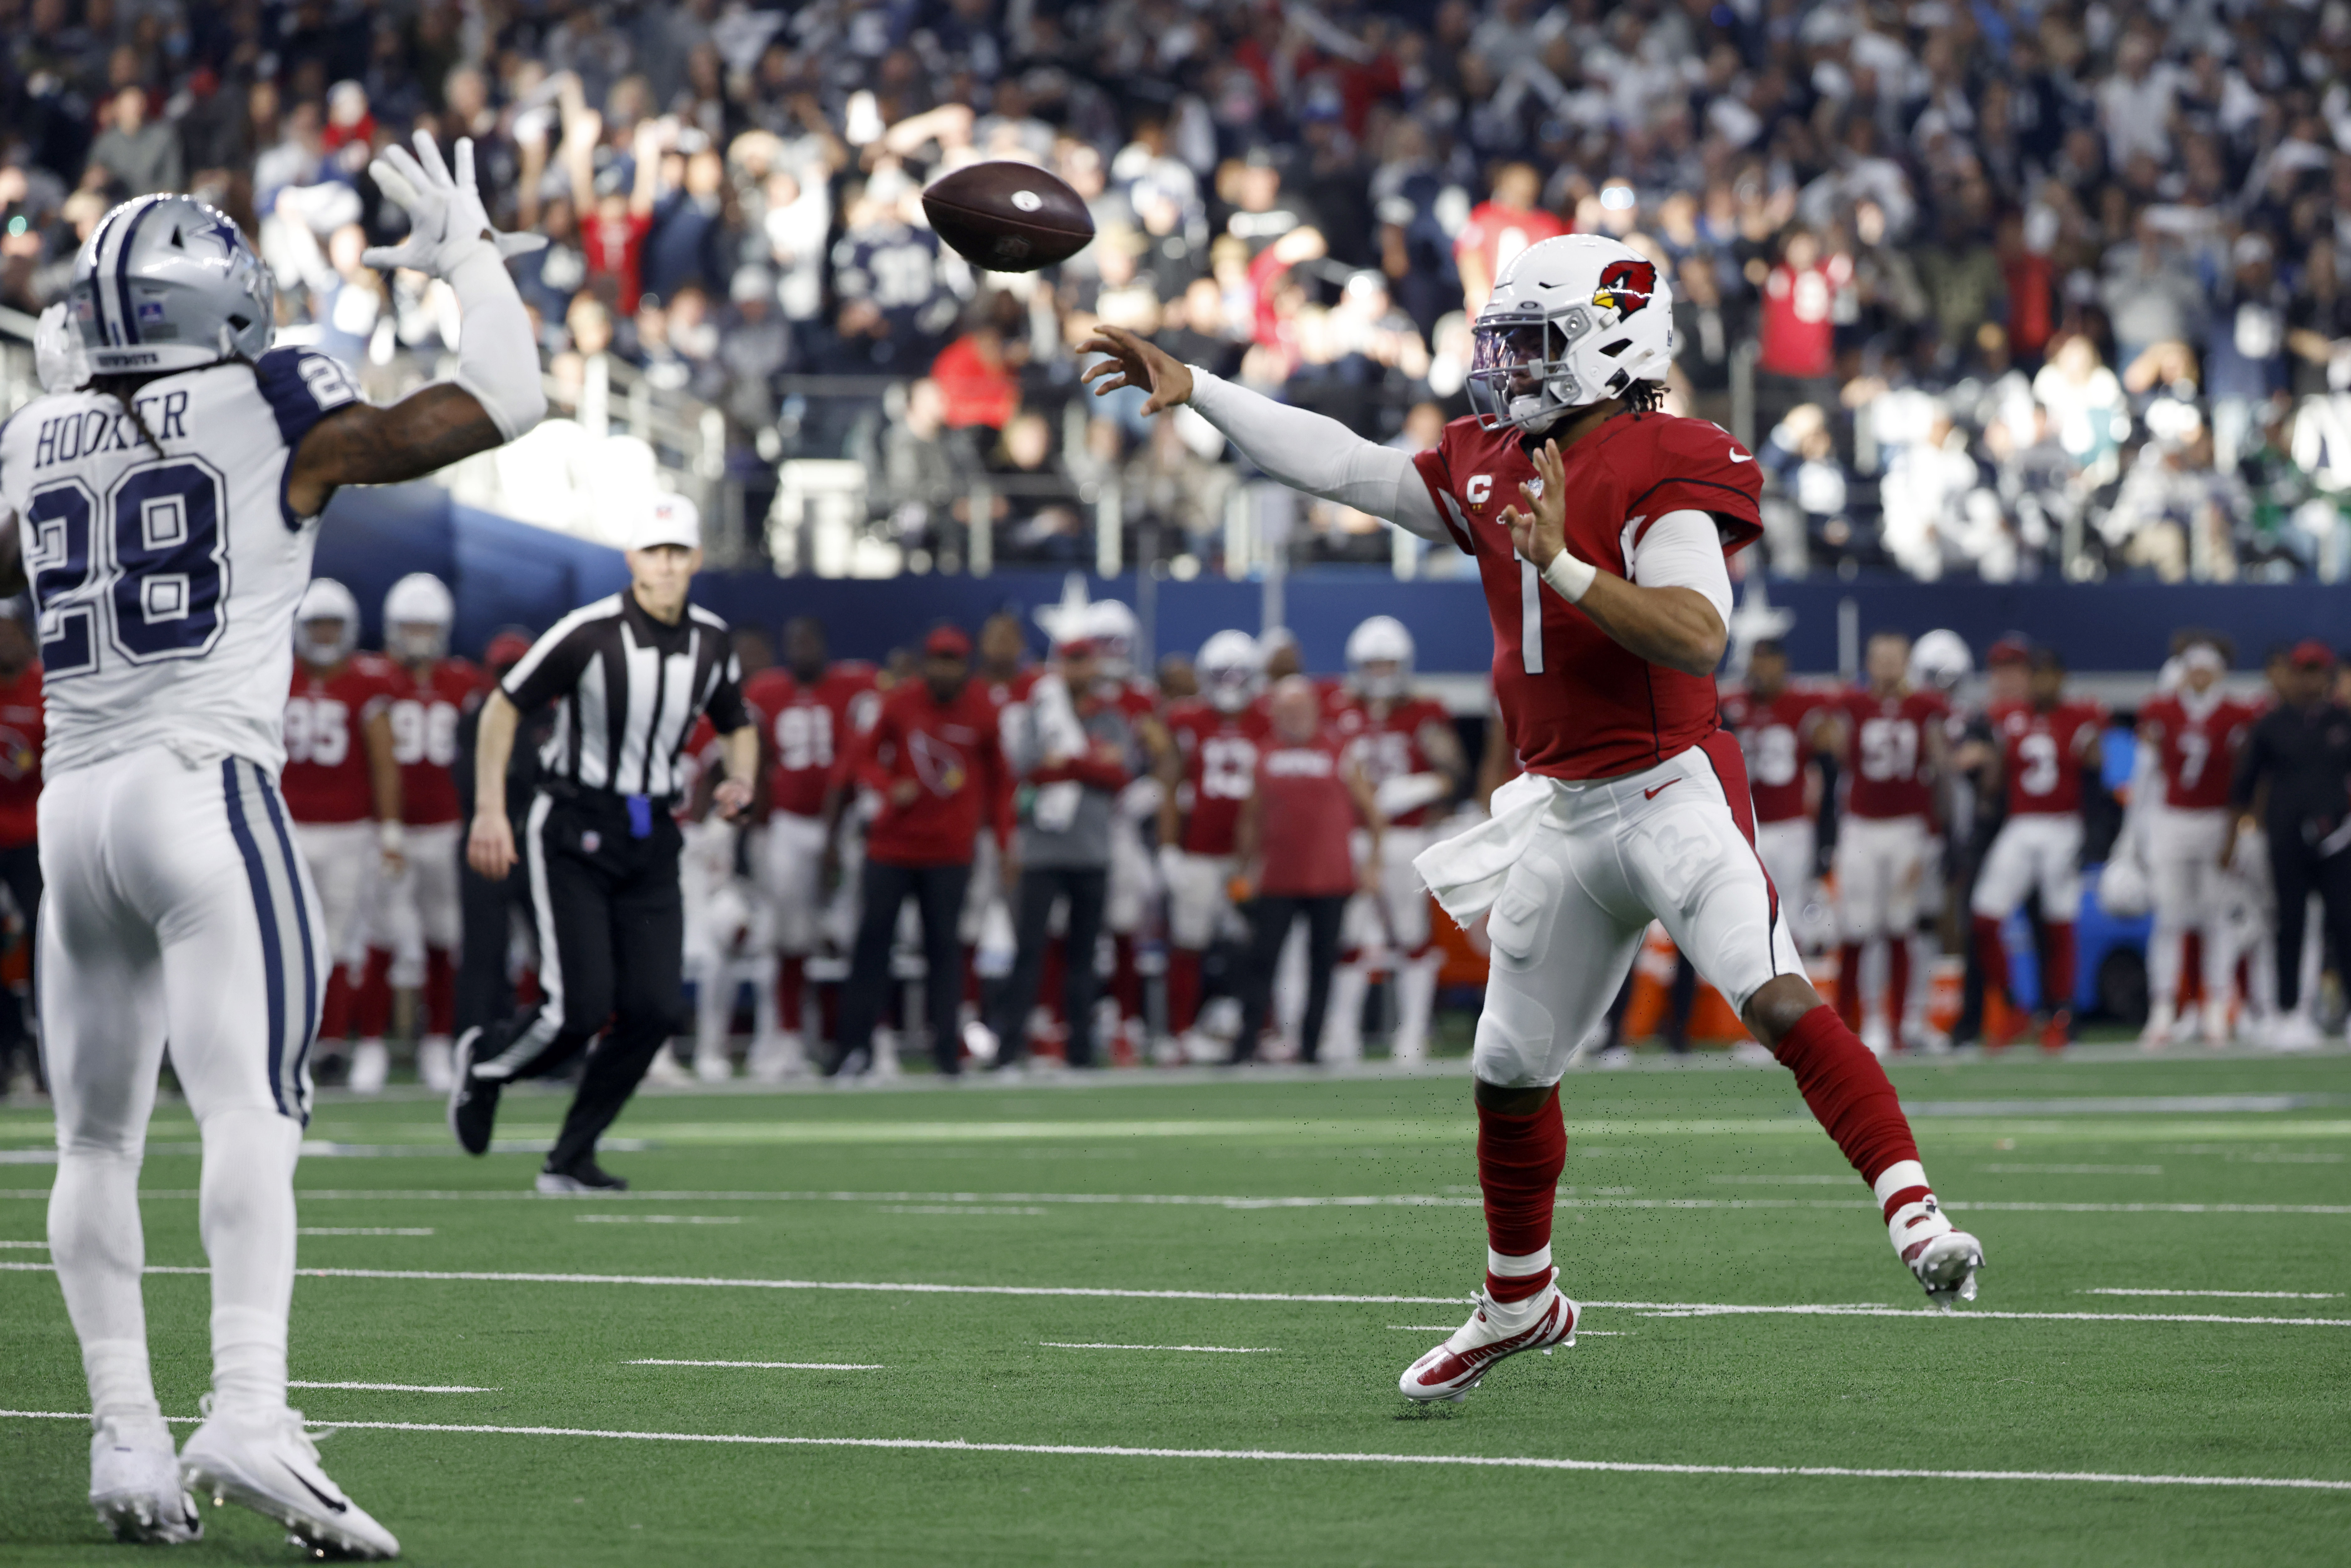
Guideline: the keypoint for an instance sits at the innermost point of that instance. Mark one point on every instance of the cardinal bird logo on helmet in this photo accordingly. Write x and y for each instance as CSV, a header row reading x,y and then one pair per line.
x,y
1625,287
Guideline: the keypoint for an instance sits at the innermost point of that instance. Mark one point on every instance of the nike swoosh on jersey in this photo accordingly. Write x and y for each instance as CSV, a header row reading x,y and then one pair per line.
x,y
1742,457
1653,794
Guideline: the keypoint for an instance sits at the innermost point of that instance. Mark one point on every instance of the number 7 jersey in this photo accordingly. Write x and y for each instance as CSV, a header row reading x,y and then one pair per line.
x,y
166,573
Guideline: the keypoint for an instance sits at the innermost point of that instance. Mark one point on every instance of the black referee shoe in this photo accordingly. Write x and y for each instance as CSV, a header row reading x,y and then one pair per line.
x,y
472,1101
582,1176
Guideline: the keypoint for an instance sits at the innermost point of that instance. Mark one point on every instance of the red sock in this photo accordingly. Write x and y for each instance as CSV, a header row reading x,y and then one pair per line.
x,y
1849,984
1125,979
440,992
1519,1162
1848,1092
1183,989
1897,982
371,1008
1992,954
2058,990
335,1016
791,980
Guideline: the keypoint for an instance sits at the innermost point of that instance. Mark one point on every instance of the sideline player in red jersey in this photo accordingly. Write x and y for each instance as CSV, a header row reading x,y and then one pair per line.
x,y
1217,737
1893,745
2190,738
1111,626
1406,748
1609,597
1780,729
22,725
341,783
810,711
2047,745
424,926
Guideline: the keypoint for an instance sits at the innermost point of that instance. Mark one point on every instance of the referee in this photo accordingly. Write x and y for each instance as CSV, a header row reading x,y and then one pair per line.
x,y
628,675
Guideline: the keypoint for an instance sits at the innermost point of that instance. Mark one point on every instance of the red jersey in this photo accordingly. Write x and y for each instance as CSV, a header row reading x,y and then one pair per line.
x,y
1886,752
2198,751
809,729
2041,754
326,778
1579,705
1220,751
616,246
21,728
1498,233
950,751
1005,692
1772,734
1798,339
1138,699
1305,819
1390,748
424,714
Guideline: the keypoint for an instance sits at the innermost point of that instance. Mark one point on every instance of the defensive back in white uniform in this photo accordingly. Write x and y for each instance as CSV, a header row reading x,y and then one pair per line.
x,y
166,511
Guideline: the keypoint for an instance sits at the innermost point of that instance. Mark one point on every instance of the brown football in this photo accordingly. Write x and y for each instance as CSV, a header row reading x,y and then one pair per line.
x,y
1008,218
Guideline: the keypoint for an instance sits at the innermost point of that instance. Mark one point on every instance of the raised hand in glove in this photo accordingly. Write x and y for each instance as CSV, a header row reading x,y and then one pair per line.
x,y
445,218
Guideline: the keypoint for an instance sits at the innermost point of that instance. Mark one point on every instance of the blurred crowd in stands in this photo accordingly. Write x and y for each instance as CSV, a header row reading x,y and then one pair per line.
x,y
1996,288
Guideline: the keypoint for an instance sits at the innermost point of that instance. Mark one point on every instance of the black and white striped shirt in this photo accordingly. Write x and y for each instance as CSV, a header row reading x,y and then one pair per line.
x,y
627,690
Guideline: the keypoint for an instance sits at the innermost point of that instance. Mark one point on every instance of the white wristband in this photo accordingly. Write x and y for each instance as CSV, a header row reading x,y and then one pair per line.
x,y
393,836
1571,577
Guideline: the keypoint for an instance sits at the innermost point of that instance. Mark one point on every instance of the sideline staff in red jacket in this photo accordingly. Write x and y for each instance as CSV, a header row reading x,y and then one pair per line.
x,y
932,758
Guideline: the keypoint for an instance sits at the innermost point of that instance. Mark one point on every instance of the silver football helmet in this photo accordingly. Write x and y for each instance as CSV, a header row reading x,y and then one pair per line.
x,y
417,615
168,283
326,623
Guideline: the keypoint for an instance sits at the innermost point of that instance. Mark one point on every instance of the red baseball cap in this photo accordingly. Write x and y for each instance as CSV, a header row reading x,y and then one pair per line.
x,y
505,648
947,642
2010,651
2311,653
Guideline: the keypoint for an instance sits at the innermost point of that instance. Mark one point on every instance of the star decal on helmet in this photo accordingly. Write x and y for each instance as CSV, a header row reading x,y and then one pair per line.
x,y
220,229
1625,287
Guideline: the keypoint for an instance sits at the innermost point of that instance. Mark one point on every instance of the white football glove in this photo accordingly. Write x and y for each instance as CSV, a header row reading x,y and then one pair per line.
x,y
445,219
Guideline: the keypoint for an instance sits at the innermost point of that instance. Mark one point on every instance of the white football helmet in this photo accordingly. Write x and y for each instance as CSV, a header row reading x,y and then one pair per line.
x,y
326,602
417,615
167,283
1230,669
1572,321
1382,639
1113,630
2124,890
1939,661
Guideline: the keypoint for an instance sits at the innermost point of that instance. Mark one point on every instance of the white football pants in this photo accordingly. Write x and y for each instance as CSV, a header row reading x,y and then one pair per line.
x,y
177,909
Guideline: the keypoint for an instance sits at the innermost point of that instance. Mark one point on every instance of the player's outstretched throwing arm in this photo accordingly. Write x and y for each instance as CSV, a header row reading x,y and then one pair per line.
x,y
496,396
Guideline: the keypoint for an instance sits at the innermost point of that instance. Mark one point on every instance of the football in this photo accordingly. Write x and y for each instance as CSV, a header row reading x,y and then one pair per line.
x,y
1008,218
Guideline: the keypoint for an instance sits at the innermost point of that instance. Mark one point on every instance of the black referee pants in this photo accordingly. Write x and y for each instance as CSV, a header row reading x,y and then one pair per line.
x,y
2297,870
1270,919
612,903
486,931
937,892
1086,888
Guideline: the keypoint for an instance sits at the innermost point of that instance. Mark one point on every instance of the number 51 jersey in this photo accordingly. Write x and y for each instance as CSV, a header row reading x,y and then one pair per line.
x,y
166,572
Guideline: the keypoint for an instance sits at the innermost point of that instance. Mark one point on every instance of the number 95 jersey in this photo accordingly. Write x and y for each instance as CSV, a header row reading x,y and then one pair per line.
x,y
166,572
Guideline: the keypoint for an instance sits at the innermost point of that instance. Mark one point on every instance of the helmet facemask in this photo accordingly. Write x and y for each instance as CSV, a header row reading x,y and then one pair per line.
x,y
1518,370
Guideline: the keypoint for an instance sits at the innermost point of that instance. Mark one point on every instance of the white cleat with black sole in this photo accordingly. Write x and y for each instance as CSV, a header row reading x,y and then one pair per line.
x,y
1495,1331
134,1485
1946,1265
267,1463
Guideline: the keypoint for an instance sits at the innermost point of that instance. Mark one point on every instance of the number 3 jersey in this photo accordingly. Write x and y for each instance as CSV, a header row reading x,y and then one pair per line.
x,y
166,573
1579,703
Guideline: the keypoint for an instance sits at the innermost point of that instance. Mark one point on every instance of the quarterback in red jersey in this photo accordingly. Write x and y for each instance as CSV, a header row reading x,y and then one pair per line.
x,y
1893,744
1610,598
421,925
810,711
1406,748
341,782
1780,729
1218,735
2190,740
2047,745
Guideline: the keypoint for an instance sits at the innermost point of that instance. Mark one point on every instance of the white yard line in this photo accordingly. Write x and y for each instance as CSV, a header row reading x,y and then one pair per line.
x,y
364,1230
778,1365
957,1208
659,1219
2263,1295
2072,1170
26,1246
396,1387
1207,1349
1632,1467
1671,1309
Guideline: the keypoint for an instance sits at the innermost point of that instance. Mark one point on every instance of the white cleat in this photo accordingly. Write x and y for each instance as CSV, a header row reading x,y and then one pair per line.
x,y
664,1070
370,1067
1493,1331
712,1066
435,1056
134,1485
1946,1265
2294,1032
269,1464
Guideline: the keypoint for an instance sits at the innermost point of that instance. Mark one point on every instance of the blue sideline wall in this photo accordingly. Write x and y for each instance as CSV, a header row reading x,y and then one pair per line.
x,y
506,572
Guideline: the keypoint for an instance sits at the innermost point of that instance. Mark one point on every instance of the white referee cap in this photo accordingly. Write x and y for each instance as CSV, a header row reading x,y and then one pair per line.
x,y
671,520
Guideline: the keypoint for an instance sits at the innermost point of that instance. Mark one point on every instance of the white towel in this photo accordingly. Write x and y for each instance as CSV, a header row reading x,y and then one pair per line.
x,y
1467,870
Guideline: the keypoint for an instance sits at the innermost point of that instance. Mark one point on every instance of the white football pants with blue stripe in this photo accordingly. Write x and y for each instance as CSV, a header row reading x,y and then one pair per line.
x,y
178,911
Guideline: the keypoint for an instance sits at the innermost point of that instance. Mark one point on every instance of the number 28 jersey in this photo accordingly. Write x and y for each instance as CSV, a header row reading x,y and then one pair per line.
x,y
166,574
1578,703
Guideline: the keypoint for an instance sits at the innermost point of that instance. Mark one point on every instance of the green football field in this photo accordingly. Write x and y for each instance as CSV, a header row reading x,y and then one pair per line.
x,y
1158,1318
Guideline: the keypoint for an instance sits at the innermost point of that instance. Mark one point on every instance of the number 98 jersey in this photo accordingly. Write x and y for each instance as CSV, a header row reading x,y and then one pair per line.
x,y
166,572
